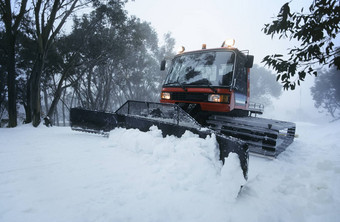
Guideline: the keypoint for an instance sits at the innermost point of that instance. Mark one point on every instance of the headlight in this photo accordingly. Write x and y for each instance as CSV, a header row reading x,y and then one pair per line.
x,y
165,95
217,98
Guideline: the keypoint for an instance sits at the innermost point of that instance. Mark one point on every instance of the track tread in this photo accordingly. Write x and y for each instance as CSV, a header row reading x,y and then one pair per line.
x,y
264,136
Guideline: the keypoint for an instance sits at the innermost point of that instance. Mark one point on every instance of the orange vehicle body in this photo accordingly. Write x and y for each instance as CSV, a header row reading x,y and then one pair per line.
x,y
237,100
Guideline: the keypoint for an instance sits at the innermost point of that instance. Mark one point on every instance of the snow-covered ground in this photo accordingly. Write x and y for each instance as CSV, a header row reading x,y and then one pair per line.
x,y
55,174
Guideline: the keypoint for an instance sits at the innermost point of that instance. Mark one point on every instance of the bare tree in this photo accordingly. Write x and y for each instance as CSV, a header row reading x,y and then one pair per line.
x,y
12,22
50,16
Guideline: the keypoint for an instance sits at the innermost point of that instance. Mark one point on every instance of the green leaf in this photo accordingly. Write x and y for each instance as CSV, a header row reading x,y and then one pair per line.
x,y
315,30
292,86
278,77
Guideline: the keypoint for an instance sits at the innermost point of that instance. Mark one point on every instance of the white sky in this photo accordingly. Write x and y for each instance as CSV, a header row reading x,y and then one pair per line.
x,y
194,22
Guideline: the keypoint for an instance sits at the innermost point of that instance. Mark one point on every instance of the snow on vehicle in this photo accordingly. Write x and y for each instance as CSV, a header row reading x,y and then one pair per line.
x,y
206,92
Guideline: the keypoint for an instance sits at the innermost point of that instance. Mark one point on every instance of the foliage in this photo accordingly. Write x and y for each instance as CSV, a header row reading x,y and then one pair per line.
x,y
166,51
263,86
326,92
107,58
122,60
316,31
49,18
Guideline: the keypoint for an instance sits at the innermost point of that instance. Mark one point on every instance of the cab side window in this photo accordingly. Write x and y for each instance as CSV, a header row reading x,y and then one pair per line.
x,y
241,76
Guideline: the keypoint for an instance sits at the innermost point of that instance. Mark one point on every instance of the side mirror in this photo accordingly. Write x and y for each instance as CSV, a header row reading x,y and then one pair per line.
x,y
250,61
163,62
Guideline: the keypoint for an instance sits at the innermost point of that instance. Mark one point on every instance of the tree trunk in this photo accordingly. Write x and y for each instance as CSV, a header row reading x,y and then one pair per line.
x,y
63,108
46,100
57,96
35,81
12,95
12,22
90,103
56,117
28,108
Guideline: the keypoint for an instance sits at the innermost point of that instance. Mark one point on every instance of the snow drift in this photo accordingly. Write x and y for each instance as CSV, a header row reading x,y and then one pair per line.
x,y
55,174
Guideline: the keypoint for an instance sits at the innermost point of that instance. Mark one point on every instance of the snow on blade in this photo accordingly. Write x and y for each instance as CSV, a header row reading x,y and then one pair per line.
x,y
232,171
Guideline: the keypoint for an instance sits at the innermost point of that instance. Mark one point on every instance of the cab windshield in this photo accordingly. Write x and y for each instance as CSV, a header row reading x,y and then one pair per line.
x,y
213,68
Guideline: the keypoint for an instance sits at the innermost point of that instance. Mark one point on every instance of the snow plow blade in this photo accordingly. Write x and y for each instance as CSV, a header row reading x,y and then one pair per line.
x,y
92,121
169,118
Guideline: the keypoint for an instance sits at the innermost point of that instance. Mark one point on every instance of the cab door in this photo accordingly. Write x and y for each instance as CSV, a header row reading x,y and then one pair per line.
x,y
240,83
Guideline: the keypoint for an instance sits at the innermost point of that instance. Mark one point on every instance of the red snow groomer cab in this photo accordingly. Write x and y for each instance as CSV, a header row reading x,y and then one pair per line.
x,y
210,81
213,86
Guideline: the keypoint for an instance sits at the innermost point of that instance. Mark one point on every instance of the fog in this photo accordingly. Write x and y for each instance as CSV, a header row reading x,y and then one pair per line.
x,y
297,106
193,23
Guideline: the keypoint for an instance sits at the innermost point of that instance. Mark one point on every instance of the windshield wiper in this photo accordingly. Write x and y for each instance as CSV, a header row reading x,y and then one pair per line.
x,y
177,82
204,83
212,88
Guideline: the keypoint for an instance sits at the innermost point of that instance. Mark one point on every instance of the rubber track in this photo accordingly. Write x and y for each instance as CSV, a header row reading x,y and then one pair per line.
x,y
265,137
